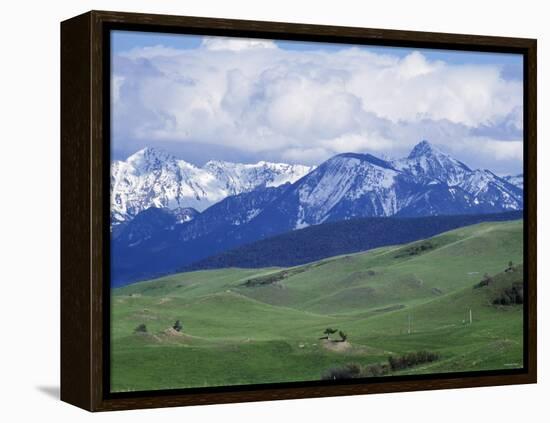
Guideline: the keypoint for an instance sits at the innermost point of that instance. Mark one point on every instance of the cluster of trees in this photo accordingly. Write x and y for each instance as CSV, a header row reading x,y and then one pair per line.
x,y
347,371
354,370
271,278
330,331
415,250
505,296
411,359
510,296
488,280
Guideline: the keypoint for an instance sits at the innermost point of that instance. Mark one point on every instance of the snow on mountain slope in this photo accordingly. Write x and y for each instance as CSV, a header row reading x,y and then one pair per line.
x,y
237,177
427,182
184,214
516,180
427,162
486,187
345,178
483,189
153,178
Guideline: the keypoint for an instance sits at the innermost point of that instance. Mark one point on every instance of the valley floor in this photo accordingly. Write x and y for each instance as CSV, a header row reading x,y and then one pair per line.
x,y
252,326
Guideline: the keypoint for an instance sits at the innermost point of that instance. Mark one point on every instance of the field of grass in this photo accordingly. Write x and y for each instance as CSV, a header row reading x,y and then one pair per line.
x,y
250,326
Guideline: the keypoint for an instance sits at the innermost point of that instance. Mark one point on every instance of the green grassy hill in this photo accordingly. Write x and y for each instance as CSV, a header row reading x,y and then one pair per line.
x,y
248,326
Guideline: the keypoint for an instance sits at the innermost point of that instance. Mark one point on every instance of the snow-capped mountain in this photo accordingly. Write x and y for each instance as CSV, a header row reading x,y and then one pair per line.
x,y
427,163
427,182
345,186
237,177
490,191
154,178
255,203
516,180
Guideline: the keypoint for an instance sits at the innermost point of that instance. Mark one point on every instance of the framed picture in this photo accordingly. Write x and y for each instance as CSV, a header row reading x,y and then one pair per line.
x,y
258,211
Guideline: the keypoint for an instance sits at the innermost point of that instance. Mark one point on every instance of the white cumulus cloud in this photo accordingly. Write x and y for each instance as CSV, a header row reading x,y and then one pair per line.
x,y
308,105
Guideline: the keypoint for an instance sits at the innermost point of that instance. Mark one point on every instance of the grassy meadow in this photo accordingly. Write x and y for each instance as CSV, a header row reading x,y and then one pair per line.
x,y
250,326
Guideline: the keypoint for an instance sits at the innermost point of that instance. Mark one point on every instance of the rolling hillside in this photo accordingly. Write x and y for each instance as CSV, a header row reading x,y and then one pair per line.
x,y
343,237
149,247
247,326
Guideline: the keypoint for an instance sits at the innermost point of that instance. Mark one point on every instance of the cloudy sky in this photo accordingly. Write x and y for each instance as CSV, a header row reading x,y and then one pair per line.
x,y
246,100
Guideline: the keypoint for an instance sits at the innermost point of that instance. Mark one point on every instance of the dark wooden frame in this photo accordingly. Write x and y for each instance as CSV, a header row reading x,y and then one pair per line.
x,y
84,206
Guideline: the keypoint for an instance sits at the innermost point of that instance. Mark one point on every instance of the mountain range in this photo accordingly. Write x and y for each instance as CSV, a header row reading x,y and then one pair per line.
x,y
171,214
154,178
426,183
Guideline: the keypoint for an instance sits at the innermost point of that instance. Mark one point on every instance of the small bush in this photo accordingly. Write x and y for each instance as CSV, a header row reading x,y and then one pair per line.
x,y
376,370
353,370
141,328
348,371
177,326
487,280
328,332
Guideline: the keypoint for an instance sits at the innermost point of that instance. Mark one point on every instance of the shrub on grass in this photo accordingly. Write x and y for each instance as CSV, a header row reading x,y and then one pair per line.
x,y
141,328
328,332
343,336
376,370
487,280
348,371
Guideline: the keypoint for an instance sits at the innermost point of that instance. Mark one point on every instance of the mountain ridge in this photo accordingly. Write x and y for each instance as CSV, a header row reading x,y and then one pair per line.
x,y
346,186
427,182
155,178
